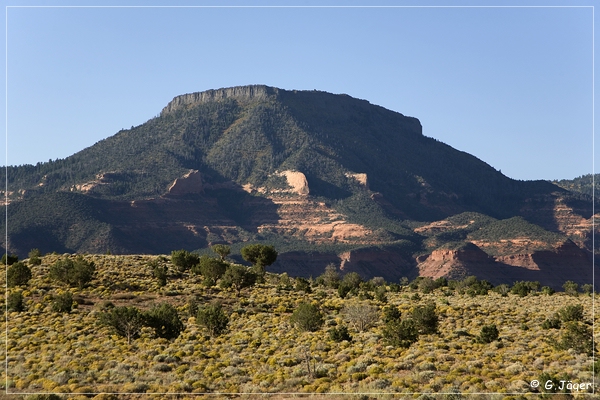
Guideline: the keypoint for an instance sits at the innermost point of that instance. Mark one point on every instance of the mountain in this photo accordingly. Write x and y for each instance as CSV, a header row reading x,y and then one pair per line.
x,y
324,177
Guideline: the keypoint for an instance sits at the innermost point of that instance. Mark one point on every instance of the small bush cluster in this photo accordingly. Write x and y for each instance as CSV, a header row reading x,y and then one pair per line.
x,y
307,317
129,321
213,318
78,272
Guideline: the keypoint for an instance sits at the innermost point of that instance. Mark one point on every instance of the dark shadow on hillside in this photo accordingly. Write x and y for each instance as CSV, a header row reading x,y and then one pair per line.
x,y
320,188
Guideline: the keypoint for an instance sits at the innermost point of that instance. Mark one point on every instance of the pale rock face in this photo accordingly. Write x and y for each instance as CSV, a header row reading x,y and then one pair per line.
x,y
297,180
360,178
250,92
188,183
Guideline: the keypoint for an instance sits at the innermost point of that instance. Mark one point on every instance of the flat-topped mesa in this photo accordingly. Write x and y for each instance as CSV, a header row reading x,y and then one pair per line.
x,y
250,92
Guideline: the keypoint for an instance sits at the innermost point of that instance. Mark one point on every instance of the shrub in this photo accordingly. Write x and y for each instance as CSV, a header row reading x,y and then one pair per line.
x,y
521,289
222,250
390,314
349,284
331,277
9,259
488,334
577,337
395,288
34,257
15,302
303,284
211,269
184,260
381,294
362,316
160,272
165,321
307,317
213,318
62,303
193,306
571,313
547,290
340,334
587,288
237,277
401,333
125,321
552,381
471,285
551,323
426,284
425,318
17,274
73,273
260,255
502,289
570,288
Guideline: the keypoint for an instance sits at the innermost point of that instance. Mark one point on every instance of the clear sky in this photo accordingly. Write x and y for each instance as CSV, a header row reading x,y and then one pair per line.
x,y
511,85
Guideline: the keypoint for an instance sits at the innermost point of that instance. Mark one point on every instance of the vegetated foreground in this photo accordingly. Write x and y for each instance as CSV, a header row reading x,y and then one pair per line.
x,y
334,334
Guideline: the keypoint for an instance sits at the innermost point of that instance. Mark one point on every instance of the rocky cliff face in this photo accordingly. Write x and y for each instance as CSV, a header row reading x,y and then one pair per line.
x,y
250,92
188,183
550,267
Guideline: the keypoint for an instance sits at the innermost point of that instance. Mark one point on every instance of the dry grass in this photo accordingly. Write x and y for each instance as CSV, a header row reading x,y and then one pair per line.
x,y
261,352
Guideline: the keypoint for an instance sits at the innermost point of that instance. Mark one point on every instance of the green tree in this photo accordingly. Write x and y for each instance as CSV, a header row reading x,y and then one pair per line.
x,y
184,260
165,321
547,290
211,269
390,314
331,277
401,333
425,318
521,289
213,318
488,334
62,303
261,256
237,277
34,257
570,288
552,323
222,250
577,336
307,317
15,302
18,274
9,259
73,273
302,284
125,321
587,288
160,272
571,313
340,334
349,284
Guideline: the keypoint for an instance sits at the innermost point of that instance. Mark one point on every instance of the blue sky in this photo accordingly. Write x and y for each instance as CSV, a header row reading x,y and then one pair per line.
x,y
511,85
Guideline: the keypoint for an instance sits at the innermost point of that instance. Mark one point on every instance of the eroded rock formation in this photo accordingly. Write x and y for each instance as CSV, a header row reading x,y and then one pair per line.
x,y
191,182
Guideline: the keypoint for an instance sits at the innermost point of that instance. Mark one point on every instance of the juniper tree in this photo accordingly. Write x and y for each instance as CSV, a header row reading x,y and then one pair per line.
x,y
165,321
307,317
125,321
184,260
213,318
261,256
18,274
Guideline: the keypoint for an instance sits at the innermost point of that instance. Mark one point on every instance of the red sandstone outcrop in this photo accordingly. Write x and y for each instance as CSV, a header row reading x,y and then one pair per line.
x,y
550,267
